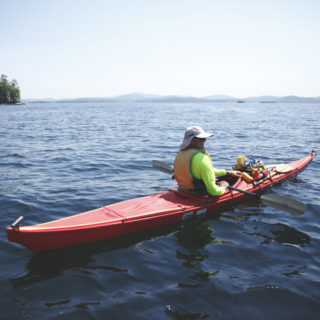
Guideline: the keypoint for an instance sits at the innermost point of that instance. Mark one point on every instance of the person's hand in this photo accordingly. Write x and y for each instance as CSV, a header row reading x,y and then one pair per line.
x,y
224,184
234,173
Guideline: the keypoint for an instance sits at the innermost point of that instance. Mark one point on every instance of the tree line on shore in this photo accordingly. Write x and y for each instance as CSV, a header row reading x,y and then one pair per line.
x,y
9,91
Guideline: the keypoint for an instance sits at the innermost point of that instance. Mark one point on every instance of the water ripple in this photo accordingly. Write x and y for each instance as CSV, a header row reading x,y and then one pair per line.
x,y
234,264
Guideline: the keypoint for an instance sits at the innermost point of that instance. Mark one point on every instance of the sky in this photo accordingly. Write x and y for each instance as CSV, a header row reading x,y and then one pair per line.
x,y
105,48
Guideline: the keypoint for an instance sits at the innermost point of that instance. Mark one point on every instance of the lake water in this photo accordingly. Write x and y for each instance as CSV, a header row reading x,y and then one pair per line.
x,y
246,262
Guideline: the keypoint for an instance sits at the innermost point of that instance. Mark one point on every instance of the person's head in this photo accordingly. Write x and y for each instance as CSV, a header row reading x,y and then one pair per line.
x,y
194,137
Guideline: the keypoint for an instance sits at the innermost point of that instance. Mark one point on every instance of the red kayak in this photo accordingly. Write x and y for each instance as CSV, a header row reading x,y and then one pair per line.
x,y
141,214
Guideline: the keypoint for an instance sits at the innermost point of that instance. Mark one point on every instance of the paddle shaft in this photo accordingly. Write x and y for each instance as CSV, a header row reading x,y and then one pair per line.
x,y
243,191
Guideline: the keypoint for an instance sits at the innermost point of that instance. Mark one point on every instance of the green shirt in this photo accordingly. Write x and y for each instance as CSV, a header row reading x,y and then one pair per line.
x,y
202,168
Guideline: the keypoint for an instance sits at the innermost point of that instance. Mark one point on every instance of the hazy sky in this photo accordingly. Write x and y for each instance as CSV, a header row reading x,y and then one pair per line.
x,y
87,48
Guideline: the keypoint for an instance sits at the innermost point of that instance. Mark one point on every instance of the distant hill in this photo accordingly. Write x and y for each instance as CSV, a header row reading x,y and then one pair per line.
x,y
286,99
299,99
136,96
143,97
218,97
262,99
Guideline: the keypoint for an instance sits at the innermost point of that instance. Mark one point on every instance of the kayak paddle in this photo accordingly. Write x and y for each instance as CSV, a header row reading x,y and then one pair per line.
x,y
162,166
272,200
276,201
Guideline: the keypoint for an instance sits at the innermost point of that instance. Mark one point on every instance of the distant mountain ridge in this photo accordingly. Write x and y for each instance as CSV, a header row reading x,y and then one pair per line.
x,y
144,97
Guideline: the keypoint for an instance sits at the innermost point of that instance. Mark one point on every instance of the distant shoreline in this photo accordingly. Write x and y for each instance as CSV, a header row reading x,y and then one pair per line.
x,y
13,104
141,97
167,101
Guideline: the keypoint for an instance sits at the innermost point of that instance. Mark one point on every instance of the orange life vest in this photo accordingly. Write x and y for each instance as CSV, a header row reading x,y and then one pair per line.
x,y
182,169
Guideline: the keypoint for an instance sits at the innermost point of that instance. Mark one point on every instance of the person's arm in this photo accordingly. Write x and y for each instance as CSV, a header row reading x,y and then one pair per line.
x,y
217,172
202,168
220,172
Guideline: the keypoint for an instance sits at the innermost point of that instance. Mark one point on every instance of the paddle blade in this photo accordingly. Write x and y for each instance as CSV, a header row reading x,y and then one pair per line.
x,y
162,166
280,168
283,168
284,203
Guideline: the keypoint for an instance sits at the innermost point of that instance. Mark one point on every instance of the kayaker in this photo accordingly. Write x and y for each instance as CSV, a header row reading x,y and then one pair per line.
x,y
193,168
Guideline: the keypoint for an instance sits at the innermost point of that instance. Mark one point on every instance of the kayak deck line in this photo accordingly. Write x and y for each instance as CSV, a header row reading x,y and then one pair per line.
x,y
119,215
137,214
120,219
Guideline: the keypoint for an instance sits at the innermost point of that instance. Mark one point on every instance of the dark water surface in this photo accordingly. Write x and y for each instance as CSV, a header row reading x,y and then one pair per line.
x,y
246,262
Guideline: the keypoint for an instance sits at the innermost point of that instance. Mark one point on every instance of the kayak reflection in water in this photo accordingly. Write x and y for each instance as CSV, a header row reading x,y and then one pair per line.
x,y
193,167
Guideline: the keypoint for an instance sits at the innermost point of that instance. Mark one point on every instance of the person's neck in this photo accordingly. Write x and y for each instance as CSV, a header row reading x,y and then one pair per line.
x,y
197,146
